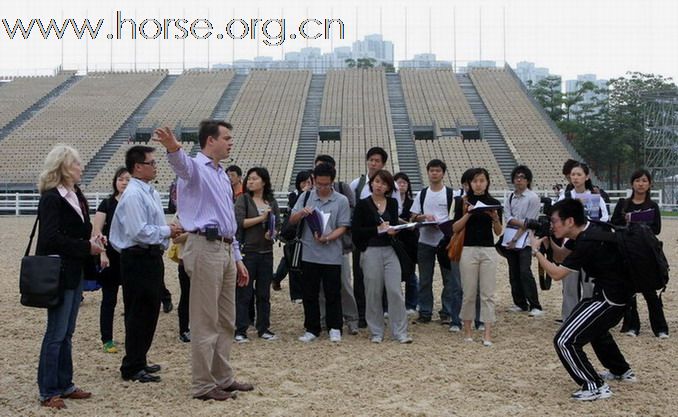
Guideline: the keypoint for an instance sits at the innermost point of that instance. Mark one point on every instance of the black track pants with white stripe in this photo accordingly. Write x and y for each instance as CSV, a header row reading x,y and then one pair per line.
x,y
590,322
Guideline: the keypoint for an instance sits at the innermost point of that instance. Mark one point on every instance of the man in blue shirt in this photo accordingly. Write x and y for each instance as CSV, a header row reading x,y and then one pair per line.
x,y
141,235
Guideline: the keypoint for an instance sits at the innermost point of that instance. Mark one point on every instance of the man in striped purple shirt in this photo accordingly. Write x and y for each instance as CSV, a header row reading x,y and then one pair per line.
x,y
211,255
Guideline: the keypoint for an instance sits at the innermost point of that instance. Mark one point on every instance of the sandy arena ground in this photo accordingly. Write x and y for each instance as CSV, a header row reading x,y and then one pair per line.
x,y
438,374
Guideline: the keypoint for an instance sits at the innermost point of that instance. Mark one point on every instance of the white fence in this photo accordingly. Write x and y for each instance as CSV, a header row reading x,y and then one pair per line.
x,y
27,203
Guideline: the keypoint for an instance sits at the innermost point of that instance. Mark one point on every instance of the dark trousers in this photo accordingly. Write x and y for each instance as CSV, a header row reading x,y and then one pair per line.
x,y
109,299
260,268
142,282
590,322
358,285
330,277
523,285
411,292
655,308
295,283
182,310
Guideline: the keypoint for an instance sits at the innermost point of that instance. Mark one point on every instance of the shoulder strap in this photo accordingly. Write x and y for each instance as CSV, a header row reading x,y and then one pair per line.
x,y
30,240
361,185
307,194
422,197
449,193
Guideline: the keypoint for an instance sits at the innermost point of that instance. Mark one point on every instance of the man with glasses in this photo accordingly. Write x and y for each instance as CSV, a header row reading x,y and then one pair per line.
x,y
141,235
522,204
322,254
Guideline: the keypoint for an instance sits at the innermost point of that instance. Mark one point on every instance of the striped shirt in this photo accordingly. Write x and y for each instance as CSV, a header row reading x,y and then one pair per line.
x,y
204,196
139,218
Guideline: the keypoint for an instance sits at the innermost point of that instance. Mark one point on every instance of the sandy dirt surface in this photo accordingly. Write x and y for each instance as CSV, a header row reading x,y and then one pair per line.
x,y
439,374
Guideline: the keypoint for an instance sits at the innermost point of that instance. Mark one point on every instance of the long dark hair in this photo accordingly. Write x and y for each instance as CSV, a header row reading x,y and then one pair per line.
x,y
403,176
118,174
265,177
637,174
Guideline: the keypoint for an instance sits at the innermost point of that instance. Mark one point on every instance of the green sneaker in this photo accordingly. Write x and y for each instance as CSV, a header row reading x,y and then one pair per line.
x,y
110,347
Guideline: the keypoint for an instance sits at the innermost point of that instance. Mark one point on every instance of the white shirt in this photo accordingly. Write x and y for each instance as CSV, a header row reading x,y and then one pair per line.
x,y
139,218
435,203
604,214
366,191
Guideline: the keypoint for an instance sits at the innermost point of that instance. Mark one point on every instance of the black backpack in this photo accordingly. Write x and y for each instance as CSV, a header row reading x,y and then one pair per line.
x,y
645,266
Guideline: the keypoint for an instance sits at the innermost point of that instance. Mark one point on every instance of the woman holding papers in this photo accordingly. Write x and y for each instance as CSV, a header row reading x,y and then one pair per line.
x,y
257,214
410,238
478,263
639,208
373,230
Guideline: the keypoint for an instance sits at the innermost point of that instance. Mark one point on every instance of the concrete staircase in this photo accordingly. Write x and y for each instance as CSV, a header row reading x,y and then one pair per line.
x,y
308,137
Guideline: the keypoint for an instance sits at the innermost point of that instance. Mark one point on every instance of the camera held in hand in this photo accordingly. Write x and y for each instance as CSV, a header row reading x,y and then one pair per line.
x,y
541,226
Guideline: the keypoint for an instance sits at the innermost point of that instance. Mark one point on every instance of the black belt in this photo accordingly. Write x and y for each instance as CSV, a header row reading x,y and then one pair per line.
x,y
145,249
217,239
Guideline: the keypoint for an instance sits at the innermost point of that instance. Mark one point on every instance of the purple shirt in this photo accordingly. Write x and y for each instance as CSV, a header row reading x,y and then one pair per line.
x,y
204,196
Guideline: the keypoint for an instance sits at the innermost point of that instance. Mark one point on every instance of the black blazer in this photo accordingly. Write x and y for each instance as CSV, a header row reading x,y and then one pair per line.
x,y
366,220
62,232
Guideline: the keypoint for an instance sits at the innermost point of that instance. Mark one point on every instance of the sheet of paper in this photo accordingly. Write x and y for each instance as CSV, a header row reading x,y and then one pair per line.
x,y
482,206
509,234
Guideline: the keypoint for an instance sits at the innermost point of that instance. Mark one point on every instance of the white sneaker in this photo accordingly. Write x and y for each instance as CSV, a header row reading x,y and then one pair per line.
x,y
481,328
628,376
631,333
298,301
241,339
411,312
308,337
591,395
515,309
376,339
385,314
335,335
663,335
487,343
455,329
405,340
269,336
535,312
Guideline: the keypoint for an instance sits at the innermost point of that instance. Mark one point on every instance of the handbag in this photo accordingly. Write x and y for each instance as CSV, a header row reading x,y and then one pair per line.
x,y
456,244
293,248
406,264
40,278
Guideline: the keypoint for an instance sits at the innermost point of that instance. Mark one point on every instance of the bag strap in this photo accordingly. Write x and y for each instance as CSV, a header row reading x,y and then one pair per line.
x,y
30,240
301,223
360,186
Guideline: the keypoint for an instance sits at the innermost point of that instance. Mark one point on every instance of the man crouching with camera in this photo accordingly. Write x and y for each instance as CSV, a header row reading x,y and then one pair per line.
x,y
592,318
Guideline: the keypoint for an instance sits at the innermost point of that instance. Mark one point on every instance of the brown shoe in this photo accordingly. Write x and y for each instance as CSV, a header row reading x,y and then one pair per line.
x,y
54,402
78,394
217,394
238,386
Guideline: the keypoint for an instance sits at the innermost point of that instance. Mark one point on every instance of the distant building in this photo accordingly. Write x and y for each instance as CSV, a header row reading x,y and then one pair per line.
x,y
529,74
589,97
424,61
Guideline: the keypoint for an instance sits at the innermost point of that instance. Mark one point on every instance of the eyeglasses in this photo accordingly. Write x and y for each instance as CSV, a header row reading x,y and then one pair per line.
x,y
152,162
520,177
323,186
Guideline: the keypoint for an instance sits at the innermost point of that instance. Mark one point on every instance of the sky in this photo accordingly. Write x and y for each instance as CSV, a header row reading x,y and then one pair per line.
x,y
604,37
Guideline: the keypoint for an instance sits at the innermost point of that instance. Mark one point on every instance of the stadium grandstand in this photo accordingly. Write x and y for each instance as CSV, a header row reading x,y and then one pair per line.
x,y
482,118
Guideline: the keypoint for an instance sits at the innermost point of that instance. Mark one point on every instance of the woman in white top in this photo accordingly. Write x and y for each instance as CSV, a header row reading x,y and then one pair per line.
x,y
581,181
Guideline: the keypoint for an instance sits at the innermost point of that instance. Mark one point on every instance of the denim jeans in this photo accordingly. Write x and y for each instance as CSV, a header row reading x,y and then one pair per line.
x,y
411,292
451,295
55,369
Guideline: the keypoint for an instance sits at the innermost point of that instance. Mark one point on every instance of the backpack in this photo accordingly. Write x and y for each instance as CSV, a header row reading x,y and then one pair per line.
x,y
645,266
359,188
441,249
449,194
289,231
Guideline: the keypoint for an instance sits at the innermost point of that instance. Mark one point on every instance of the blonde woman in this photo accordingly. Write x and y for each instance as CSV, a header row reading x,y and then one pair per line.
x,y
65,231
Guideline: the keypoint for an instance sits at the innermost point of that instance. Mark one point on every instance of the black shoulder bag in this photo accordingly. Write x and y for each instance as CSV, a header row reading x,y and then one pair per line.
x,y
292,249
39,279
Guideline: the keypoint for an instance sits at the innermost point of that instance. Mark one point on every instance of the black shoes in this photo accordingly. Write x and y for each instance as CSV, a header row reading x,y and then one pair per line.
x,y
143,377
167,306
151,369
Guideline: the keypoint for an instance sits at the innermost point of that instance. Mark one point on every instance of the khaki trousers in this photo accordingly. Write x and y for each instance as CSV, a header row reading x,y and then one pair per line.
x,y
211,311
478,267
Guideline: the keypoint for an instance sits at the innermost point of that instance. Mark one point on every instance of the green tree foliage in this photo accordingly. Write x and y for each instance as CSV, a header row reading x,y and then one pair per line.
x,y
608,130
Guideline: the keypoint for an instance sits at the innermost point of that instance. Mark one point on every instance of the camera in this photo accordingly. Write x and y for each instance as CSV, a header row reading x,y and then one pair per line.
x,y
541,226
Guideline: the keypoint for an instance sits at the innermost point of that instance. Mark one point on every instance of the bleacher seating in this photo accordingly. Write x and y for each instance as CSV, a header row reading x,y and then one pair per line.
x,y
356,100
434,98
191,99
266,118
86,116
164,176
21,93
524,128
460,155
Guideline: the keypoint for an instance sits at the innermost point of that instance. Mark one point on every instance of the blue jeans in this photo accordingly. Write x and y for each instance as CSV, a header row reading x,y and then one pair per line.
x,y
451,296
411,292
55,369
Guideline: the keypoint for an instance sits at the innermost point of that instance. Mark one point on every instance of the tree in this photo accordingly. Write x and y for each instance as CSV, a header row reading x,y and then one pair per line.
x,y
350,62
547,93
